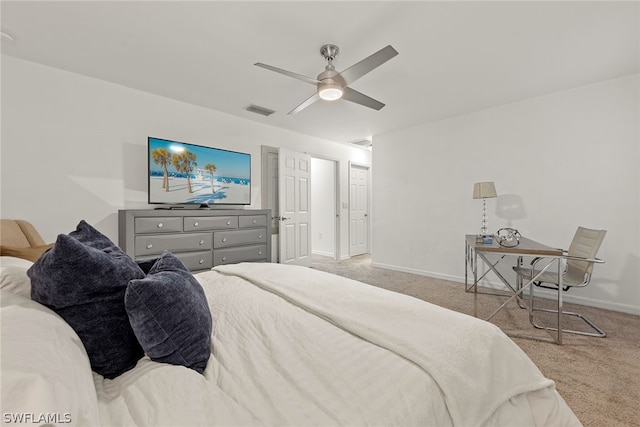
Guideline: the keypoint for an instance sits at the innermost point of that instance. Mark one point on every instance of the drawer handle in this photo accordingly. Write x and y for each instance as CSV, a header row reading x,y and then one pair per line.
x,y
260,236
201,242
224,239
224,258
195,224
201,261
228,222
149,246
160,225
255,221
259,252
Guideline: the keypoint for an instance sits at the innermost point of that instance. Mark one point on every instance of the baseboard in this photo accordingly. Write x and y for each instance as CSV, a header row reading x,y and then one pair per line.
x,y
323,253
418,272
576,299
543,293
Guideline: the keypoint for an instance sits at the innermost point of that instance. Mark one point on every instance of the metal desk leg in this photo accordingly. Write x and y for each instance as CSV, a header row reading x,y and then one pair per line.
x,y
519,282
470,263
560,300
466,266
475,283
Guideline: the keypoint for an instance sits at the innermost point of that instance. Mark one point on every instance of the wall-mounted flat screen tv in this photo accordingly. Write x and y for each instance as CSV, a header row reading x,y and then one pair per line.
x,y
188,174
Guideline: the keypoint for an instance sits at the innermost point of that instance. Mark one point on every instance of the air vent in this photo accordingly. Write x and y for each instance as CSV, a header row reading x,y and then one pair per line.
x,y
362,143
259,110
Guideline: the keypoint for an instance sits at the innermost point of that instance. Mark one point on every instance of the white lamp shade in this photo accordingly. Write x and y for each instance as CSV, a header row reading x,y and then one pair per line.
x,y
484,190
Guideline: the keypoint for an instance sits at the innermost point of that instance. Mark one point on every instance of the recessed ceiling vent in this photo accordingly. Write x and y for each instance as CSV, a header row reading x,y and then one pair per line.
x,y
366,143
259,110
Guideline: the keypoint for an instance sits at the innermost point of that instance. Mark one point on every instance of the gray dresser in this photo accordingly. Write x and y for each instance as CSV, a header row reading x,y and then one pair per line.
x,y
201,238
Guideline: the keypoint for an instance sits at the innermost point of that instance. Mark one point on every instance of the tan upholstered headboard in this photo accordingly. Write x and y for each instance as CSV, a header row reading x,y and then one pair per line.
x,y
19,233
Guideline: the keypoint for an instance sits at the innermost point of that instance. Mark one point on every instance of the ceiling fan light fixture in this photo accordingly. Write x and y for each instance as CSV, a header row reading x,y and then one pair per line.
x,y
332,85
330,90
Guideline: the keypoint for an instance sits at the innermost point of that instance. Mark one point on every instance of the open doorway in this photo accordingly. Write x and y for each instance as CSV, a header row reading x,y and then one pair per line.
x,y
325,221
324,207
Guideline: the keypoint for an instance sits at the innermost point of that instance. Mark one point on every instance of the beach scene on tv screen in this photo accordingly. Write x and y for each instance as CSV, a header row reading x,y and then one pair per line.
x,y
181,173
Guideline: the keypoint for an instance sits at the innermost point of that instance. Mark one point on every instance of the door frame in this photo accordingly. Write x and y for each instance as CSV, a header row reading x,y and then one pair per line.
x,y
269,197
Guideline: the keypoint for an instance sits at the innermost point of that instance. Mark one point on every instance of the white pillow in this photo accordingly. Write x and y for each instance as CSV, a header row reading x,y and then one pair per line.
x,y
46,373
13,275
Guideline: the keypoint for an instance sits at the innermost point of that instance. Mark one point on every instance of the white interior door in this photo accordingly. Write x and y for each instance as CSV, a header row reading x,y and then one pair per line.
x,y
294,176
359,210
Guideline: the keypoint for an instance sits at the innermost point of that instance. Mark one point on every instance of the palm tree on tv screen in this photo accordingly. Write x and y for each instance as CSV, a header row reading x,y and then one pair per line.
x,y
211,168
162,157
185,162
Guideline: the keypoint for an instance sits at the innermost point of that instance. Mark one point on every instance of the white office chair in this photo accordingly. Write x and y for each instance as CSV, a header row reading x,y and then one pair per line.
x,y
580,259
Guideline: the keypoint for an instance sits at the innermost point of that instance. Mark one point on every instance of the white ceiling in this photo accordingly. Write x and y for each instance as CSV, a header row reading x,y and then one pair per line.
x,y
454,57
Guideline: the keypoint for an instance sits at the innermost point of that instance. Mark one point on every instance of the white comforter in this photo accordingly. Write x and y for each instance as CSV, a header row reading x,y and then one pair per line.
x,y
482,376
291,346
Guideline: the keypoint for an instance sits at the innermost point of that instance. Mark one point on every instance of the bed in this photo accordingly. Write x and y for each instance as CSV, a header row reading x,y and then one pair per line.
x,y
289,346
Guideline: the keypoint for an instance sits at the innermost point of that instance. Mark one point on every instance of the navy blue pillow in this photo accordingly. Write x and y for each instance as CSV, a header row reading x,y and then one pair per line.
x,y
169,313
83,278
88,235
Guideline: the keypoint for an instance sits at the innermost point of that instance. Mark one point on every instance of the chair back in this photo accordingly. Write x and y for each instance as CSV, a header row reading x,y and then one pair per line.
x,y
585,244
19,233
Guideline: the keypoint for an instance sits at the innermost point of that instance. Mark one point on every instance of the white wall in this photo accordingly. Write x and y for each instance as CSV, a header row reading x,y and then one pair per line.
x,y
570,158
74,147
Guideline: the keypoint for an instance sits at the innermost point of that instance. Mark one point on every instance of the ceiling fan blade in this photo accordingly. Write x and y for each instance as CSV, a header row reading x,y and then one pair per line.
x,y
313,98
288,73
362,99
358,70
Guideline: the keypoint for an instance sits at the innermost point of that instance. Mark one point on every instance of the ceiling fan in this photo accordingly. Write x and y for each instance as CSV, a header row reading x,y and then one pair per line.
x,y
332,85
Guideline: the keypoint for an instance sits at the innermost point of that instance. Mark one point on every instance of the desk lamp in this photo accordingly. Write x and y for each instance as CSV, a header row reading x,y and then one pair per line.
x,y
484,191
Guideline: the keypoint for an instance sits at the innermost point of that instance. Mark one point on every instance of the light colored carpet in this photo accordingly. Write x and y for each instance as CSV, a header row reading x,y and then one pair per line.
x,y
598,377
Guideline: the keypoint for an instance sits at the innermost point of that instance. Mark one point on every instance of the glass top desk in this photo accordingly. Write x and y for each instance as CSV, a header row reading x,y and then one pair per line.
x,y
548,257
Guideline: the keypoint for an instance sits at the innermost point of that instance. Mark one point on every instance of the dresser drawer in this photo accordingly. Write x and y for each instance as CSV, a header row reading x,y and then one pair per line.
x,y
202,260
224,239
197,223
245,253
196,260
158,225
187,242
252,221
